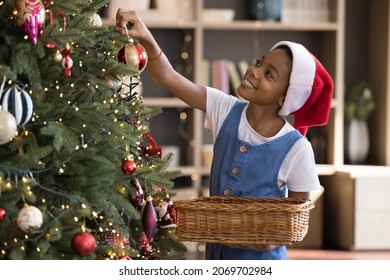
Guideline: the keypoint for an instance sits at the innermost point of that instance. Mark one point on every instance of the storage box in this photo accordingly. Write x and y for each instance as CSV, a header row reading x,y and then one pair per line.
x,y
242,220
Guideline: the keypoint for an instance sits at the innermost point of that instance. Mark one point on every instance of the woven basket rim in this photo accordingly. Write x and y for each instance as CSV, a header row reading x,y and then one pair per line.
x,y
238,203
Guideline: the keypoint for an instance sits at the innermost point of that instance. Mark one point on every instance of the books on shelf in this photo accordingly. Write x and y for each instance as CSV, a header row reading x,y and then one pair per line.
x,y
223,74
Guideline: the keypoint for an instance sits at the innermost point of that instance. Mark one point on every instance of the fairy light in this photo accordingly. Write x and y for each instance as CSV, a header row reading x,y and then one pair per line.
x,y
194,177
192,142
83,206
183,115
76,219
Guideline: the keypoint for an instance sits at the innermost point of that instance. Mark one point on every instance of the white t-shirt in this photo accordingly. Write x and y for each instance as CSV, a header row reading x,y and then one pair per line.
x,y
298,170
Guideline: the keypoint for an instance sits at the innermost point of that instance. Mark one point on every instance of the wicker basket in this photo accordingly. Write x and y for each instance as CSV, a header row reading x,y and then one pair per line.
x,y
240,220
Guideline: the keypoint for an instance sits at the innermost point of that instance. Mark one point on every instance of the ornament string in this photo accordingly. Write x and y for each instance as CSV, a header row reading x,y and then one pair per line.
x,y
131,40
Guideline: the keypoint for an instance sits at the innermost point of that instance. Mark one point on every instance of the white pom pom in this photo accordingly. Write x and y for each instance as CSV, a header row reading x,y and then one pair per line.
x,y
29,218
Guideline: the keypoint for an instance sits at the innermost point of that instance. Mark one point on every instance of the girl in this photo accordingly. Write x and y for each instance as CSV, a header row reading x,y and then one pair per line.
x,y
257,153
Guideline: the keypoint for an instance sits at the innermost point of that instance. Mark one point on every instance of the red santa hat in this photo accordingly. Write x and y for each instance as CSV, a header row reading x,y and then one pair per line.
x,y
310,90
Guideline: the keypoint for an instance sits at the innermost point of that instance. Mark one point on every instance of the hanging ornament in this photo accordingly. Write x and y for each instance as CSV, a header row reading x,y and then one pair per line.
x,y
149,219
62,55
2,214
138,199
166,213
67,61
133,55
129,166
96,20
18,102
152,149
83,243
29,218
57,56
8,127
31,17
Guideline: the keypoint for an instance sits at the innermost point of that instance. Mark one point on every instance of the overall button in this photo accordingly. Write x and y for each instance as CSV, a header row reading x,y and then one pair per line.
x,y
235,170
243,148
226,192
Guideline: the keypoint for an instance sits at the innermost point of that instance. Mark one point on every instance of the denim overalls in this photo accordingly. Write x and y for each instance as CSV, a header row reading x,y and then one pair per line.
x,y
241,169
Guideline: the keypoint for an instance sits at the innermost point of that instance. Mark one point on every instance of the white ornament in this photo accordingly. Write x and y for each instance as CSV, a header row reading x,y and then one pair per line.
x,y
8,127
96,20
29,218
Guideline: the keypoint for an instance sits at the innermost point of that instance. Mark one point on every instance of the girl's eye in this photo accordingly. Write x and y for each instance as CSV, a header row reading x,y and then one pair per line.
x,y
268,75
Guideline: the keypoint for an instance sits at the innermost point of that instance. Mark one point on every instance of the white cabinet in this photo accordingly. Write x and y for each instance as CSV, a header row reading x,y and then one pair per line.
x,y
357,209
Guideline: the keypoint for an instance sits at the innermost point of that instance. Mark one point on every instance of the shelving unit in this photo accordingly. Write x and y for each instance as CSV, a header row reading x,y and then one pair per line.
x,y
240,39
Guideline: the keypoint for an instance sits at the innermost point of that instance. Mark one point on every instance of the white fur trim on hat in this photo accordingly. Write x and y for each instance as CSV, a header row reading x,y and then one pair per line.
x,y
301,77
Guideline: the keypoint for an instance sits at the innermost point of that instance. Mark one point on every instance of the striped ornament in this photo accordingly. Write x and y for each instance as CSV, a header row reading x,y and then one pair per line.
x,y
18,102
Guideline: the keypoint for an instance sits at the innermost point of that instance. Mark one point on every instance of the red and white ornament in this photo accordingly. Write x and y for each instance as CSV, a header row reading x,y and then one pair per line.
x,y
83,243
67,62
29,218
31,17
133,55
167,213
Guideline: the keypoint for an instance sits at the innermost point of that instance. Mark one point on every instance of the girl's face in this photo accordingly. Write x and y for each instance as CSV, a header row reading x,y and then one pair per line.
x,y
266,82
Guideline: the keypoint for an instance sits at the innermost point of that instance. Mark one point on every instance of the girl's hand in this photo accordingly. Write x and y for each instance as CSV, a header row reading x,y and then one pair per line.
x,y
130,24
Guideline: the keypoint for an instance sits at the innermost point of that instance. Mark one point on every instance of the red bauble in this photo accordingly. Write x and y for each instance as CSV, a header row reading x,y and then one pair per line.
x,y
83,243
134,55
129,166
2,214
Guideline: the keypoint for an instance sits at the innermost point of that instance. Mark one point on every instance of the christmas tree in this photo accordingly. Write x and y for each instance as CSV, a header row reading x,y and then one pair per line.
x,y
81,176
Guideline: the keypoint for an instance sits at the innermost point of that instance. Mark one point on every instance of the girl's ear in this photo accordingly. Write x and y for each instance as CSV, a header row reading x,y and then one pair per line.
x,y
281,102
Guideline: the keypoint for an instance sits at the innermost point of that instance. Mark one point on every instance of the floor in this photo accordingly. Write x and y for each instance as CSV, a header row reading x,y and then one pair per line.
x,y
326,254
306,254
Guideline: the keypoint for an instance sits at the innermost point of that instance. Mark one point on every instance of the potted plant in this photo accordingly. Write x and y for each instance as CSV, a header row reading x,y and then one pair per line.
x,y
359,104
